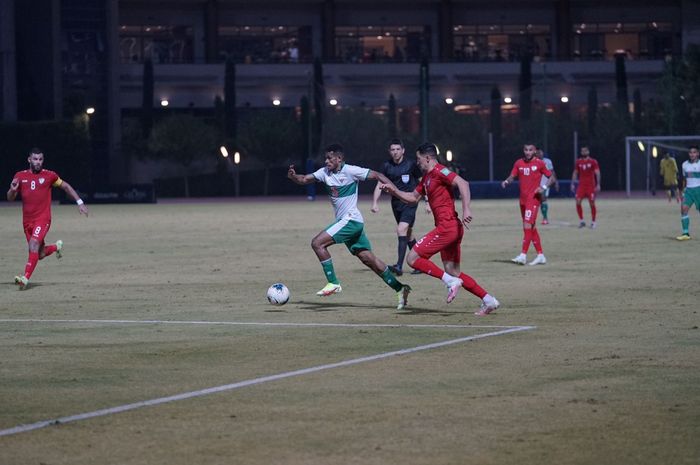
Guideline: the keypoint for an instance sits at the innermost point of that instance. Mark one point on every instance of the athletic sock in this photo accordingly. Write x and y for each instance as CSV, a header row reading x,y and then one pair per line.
x,y
391,280
685,224
48,250
579,210
403,243
593,211
329,271
428,267
411,244
470,284
31,264
536,240
527,238
545,207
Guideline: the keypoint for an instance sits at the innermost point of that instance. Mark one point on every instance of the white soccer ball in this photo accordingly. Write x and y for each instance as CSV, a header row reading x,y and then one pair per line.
x,y
278,294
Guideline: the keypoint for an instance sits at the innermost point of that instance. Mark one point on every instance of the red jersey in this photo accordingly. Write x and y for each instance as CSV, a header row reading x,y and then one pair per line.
x,y
437,185
586,168
529,173
35,189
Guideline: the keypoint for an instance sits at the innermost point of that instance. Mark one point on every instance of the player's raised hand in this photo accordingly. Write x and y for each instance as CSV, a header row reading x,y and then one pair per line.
x,y
291,172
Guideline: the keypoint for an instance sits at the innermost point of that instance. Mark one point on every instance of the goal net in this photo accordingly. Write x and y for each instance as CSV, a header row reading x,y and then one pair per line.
x,y
643,155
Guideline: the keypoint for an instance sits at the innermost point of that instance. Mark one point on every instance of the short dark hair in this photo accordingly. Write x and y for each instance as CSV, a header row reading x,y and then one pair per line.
x,y
530,143
335,148
396,142
428,148
693,147
585,146
35,150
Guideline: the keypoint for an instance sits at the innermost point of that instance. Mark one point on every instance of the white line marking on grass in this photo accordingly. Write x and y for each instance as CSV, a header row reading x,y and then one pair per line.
x,y
251,382
252,323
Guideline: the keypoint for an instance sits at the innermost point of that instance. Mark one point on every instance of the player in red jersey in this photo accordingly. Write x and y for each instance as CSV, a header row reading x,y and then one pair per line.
x,y
34,185
588,173
437,184
530,170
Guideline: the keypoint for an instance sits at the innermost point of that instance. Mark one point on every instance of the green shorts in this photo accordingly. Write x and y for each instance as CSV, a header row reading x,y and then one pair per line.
x,y
692,196
351,233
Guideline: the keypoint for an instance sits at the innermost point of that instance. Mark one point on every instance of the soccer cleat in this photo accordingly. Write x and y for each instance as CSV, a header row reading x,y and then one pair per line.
x,y
520,259
683,237
582,224
22,282
453,288
329,289
403,297
396,270
539,260
416,272
488,305
545,221
59,249
593,225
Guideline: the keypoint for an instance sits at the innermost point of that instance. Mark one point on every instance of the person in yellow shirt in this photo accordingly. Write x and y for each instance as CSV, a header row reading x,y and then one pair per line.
x,y
669,172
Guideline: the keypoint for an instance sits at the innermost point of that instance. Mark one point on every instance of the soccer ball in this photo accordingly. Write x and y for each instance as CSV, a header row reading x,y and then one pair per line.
x,y
278,294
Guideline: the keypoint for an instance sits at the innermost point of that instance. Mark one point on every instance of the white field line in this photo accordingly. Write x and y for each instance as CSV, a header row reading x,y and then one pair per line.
x,y
250,382
247,323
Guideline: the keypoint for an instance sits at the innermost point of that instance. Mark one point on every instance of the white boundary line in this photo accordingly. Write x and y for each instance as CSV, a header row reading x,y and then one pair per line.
x,y
253,323
251,382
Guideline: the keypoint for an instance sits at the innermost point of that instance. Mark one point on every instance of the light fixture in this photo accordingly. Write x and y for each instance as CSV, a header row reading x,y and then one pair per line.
x,y
654,152
640,145
448,155
90,110
333,101
164,103
237,157
564,99
449,101
223,151
276,102
507,100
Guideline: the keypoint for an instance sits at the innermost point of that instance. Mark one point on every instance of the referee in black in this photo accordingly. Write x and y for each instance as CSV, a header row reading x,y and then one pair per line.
x,y
405,174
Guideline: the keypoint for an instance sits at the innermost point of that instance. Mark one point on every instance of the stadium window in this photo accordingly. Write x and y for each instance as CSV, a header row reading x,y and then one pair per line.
x,y
265,44
636,40
377,44
507,42
161,44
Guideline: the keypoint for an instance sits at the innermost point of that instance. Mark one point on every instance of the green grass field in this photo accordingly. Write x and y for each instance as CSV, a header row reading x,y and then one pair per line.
x,y
609,373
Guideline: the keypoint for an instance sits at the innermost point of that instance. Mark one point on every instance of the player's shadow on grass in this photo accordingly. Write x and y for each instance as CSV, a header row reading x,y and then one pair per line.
x,y
335,306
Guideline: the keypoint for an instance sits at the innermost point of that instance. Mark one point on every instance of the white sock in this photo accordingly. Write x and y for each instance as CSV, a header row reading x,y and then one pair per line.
x,y
447,278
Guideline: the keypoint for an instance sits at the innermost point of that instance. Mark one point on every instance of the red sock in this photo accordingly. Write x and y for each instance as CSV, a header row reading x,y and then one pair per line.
x,y
31,264
536,240
579,210
469,284
593,211
527,238
48,250
428,267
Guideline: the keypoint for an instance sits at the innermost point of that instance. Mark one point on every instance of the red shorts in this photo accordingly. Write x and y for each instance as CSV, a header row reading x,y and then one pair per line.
x,y
585,193
36,229
529,209
446,239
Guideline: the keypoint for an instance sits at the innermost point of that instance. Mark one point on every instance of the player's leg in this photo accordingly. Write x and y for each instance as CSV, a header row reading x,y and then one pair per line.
x,y
579,208
402,234
594,211
688,201
521,258
361,247
320,244
545,206
530,224
433,242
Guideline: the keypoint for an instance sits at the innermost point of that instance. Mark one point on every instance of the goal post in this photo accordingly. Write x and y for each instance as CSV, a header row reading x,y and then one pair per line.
x,y
642,156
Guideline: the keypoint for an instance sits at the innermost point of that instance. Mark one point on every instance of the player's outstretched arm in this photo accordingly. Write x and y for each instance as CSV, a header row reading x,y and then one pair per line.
x,y
574,176
507,181
466,196
301,179
14,188
597,180
68,189
375,198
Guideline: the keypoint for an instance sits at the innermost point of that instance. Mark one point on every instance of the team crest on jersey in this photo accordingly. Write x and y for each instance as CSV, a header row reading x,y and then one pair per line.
x,y
445,171
534,168
405,178
334,191
41,180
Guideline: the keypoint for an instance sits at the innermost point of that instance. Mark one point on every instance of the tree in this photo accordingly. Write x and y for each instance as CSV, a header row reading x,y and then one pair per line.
x,y
147,102
273,137
592,109
392,120
621,85
230,117
525,87
183,139
319,106
424,91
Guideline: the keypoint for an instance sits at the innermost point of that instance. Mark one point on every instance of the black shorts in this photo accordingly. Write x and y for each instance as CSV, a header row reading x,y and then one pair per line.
x,y
404,213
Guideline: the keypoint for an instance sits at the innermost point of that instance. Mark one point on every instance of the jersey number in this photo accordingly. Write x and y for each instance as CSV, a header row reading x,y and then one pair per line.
x,y
528,214
33,185
526,171
37,230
